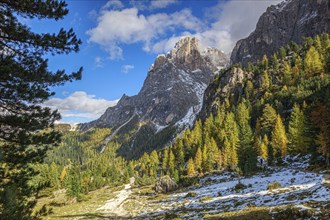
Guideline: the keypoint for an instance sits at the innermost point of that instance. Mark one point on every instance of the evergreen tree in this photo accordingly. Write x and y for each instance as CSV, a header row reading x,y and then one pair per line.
x,y
248,90
287,74
320,117
257,130
197,135
154,161
130,168
296,74
313,63
231,130
171,162
265,81
191,167
268,119
226,152
249,67
209,126
298,135
145,165
327,60
63,176
180,155
206,165
318,45
165,161
198,160
54,176
279,139
264,147
264,62
247,156
25,82
213,154
282,53
275,64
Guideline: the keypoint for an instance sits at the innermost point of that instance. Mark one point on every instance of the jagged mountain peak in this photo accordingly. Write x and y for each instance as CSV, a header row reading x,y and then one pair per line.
x,y
169,100
185,47
189,53
288,21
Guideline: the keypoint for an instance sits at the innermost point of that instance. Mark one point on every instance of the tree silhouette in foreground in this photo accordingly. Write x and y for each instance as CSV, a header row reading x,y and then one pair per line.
x,y
25,83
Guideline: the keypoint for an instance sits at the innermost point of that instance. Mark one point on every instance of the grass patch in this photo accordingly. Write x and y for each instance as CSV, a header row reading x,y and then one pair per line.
x,y
255,213
291,212
191,194
205,198
273,185
63,208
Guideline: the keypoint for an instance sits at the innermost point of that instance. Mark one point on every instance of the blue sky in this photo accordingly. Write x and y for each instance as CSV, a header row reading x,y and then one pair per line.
x,y
121,39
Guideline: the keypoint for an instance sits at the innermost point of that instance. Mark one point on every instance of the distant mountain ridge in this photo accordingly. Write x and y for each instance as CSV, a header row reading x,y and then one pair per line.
x,y
170,99
291,20
172,94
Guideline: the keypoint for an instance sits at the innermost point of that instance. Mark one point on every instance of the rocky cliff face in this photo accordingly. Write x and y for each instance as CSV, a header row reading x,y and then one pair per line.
x,y
170,99
288,21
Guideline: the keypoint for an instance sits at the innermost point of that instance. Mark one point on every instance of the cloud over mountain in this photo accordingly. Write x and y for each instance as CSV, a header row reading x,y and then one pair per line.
x,y
80,104
221,26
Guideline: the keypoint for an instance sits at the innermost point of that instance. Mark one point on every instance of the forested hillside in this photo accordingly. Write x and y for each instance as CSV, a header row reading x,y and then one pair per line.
x,y
281,107
77,165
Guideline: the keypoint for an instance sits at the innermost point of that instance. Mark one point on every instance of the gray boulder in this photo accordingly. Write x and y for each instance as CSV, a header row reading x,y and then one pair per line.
x,y
165,184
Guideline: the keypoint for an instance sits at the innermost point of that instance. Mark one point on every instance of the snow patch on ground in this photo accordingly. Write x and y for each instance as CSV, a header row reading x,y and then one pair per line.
x,y
297,187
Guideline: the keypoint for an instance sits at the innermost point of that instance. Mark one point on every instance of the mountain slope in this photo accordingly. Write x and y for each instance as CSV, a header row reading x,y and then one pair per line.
x,y
169,100
288,21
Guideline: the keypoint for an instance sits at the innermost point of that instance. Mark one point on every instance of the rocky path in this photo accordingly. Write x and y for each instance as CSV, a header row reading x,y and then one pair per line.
x,y
114,206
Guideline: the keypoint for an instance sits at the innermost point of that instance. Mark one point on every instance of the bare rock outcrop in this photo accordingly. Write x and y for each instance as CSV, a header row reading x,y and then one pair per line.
x,y
291,20
171,96
165,184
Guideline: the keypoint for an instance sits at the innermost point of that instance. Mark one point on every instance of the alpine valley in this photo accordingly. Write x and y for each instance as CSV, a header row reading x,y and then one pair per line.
x,y
209,135
169,101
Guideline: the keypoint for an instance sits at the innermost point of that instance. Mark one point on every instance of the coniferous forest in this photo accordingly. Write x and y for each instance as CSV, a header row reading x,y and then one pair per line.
x,y
284,109
274,108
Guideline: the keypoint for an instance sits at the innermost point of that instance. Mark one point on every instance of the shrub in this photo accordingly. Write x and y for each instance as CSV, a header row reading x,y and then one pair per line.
x,y
191,194
186,181
205,198
239,186
273,185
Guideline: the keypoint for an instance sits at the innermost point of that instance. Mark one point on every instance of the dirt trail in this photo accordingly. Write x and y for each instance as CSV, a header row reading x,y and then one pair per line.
x,y
114,205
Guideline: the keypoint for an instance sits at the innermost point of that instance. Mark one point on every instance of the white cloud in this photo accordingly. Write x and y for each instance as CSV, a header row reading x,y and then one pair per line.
x,y
80,104
113,4
127,26
151,4
65,93
161,3
93,15
233,20
98,61
126,68
236,21
167,44
230,21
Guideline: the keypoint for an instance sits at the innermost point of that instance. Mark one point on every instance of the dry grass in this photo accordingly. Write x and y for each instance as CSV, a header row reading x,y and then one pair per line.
x,y
65,208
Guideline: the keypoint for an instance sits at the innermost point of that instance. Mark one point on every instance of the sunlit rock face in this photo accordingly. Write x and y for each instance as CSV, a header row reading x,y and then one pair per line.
x,y
171,96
